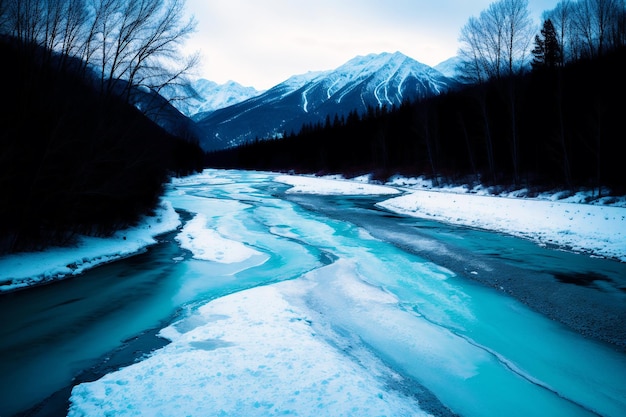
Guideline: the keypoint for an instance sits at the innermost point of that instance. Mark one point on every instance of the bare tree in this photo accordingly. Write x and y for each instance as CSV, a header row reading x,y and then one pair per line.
x,y
25,20
155,60
477,61
496,43
53,17
4,16
138,42
618,34
75,15
129,43
589,28
518,32
598,21
425,128
585,28
494,46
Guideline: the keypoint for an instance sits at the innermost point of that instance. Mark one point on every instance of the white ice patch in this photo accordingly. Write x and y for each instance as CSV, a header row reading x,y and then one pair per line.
x,y
598,229
252,353
325,186
24,269
207,244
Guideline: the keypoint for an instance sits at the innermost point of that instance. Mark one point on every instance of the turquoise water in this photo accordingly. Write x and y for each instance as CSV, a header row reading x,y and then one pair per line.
x,y
477,350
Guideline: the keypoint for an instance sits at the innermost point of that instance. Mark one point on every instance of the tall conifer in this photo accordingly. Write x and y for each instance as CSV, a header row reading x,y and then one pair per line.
x,y
547,52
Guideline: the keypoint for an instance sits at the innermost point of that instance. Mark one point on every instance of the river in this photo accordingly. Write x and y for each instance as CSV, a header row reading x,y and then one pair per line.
x,y
511,324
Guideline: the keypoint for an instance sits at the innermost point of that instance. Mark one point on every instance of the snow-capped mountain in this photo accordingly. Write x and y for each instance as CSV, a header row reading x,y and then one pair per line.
x,y
449,67
375,80
201,97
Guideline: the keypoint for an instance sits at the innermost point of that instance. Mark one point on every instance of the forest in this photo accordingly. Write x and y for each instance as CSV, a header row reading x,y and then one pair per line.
x,y
77,156
555,121
549,129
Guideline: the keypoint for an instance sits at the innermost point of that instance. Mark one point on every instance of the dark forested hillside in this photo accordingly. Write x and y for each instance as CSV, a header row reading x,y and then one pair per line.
x,y
73,160
553,127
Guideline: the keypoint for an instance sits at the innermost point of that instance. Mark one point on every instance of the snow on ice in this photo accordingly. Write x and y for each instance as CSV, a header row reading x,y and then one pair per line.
x,y
276,346
599,230
260,345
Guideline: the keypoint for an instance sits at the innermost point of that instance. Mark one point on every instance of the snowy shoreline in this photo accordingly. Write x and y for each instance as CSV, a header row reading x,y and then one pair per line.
x,y
590,229
258,347
582,228
569,223
23,270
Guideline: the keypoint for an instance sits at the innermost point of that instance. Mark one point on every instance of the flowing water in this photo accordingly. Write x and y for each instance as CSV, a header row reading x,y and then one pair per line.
x,y
459,339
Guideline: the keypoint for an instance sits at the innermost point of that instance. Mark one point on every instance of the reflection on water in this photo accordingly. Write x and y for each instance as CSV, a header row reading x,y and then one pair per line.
x,y
50,333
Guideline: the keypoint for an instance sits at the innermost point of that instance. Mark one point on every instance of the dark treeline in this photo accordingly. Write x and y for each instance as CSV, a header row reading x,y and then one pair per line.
x,y
71,159
553,127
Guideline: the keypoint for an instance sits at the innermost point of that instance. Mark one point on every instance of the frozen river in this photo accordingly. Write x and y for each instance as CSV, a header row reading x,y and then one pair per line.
x,y
285,304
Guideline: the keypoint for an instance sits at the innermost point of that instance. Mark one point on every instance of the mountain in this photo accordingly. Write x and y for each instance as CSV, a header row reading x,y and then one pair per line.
x,y
371,81
449,67
201,97
162,112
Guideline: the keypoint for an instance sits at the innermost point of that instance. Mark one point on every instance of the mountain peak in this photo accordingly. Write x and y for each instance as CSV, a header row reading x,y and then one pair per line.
x,y
204,96
373,80
360,65
378,59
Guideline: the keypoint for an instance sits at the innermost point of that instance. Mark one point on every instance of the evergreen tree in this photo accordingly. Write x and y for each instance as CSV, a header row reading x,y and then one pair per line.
x,y
547,52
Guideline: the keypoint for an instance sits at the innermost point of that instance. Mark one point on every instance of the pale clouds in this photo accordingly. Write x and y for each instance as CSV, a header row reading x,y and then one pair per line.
x,y
262,43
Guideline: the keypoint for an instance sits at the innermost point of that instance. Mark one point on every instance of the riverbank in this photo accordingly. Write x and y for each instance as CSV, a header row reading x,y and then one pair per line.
x,y
591,302
572,221
430,316
22,270
131,351
576,222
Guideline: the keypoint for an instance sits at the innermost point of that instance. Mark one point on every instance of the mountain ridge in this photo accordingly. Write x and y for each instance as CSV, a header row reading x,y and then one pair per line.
x,y
200,97
369,81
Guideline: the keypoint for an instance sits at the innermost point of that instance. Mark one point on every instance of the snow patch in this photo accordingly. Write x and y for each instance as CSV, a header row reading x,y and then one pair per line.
x,y
31,268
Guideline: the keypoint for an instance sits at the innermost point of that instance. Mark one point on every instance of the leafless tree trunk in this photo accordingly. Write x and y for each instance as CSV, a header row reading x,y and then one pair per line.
x,y
588,28
495,46
511,96
518,31
428,132
585,28
139,42
75,16
470,152
491,161
475,53
4,19
25,18
567,171
155,61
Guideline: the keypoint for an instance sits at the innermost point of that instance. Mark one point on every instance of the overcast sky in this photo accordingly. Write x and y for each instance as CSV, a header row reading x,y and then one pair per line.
x,y
261,43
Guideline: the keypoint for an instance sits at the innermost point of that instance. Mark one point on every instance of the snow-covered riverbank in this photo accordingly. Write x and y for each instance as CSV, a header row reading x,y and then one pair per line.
x,y
595,229
263,287
365,329
33,268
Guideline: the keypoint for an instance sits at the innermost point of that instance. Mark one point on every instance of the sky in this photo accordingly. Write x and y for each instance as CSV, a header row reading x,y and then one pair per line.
x,y
262,43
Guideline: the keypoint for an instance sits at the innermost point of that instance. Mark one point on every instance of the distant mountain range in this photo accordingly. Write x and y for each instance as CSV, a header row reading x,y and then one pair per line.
x,y
201,97
230,115
449,67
